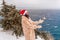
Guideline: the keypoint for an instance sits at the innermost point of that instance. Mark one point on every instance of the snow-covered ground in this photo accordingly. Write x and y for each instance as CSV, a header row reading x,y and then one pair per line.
x,y
7,35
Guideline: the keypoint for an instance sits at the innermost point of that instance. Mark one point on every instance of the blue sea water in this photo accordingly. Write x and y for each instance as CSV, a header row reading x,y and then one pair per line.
x,y
51,24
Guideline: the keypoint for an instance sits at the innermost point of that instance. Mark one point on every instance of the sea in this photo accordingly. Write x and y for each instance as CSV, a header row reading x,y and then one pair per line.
x,y
52,22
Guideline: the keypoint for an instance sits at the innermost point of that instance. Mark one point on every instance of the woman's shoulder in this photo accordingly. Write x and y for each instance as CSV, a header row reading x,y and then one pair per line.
x,y
23,17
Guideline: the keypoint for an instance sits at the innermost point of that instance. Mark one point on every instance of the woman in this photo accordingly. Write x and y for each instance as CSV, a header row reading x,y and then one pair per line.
x,y
28,25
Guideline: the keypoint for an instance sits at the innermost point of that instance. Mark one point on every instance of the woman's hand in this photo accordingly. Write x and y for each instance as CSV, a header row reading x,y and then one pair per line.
x,y
35,27
42,20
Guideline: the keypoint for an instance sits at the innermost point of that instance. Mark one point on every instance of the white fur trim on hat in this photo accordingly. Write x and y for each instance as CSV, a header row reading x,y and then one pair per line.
x,y
25,12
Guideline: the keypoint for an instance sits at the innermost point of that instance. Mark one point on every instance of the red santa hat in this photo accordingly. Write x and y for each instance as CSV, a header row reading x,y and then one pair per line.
x,y
23,12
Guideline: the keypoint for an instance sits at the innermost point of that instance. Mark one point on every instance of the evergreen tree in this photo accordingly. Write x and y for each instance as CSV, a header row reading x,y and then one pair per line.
x,y
12,19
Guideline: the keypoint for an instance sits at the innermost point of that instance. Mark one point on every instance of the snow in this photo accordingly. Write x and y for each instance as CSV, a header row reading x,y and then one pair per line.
x,y
7,35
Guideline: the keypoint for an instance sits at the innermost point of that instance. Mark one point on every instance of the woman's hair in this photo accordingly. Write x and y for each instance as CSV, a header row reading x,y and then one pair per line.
x,y
26,16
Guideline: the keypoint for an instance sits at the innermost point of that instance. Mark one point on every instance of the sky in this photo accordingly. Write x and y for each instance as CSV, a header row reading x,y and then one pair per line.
x,y
35,4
